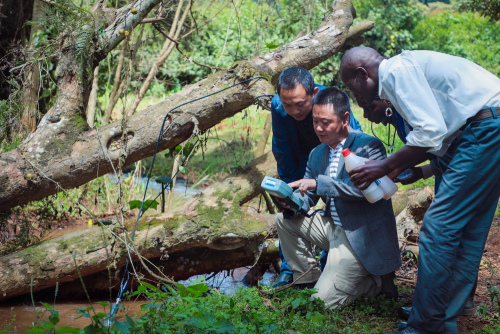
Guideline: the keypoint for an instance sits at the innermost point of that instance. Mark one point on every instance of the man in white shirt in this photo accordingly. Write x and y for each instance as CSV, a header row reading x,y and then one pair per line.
x,y
360,237
452,106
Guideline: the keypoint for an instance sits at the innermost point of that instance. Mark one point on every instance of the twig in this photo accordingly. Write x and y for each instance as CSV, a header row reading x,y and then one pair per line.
x,y
32,299
406,280
269,203
227,34
83,284
303,274
182,52
152,20
408,242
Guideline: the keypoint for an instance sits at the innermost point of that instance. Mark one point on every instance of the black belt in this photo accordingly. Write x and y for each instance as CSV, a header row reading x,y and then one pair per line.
x,y
484,114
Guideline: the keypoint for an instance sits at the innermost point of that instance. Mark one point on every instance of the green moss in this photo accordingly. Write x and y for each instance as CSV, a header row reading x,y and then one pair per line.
x,y
169,224
62,245
228,194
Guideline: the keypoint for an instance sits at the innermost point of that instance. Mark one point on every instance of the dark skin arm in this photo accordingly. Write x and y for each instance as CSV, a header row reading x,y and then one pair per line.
x,y
408,156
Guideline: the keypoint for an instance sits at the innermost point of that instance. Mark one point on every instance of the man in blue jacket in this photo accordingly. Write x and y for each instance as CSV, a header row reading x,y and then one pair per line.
x,y
293,132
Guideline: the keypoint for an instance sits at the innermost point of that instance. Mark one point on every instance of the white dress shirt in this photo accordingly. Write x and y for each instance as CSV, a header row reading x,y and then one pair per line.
x,y
436,93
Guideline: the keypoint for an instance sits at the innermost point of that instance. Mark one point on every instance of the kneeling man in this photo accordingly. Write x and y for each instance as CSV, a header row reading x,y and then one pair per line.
x,y
361,237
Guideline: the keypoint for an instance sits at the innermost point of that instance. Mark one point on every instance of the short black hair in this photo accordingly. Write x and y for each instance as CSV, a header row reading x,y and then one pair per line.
x,y
290,78
334,97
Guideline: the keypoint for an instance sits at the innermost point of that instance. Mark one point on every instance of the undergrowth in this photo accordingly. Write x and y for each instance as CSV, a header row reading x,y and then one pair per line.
x,y
197,309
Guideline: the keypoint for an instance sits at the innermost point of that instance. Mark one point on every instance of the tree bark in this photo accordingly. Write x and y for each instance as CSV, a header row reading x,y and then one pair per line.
x,y
92,105
31,82
117,87
213,220
63,153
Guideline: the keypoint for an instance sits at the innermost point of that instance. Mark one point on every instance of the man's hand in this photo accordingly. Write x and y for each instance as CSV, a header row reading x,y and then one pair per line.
x,y
416,174
363,176
283,205
304,185
407,156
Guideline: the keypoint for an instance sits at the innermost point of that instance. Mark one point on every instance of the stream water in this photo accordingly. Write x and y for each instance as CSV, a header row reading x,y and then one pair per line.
x,y
17,316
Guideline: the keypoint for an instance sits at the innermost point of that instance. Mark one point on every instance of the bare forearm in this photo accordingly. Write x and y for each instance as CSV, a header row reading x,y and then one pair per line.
x,y
406,157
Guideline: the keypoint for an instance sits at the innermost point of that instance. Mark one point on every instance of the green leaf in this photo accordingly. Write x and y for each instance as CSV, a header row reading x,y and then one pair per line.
x,y
150,286
35,330
123,326
135,204
46,305
182,169
130,321
150,204
147,204
67,329
90,329
163,180
196,288
104,303
272,45
297,302
54,317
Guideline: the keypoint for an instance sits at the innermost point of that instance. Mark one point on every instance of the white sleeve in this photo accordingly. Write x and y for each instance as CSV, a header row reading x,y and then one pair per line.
x,y
408,87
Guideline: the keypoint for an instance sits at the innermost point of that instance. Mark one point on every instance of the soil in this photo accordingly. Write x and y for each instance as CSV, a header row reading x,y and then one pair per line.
x,y
489,275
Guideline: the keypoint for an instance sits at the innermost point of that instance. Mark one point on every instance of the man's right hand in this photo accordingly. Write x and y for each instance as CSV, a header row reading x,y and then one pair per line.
x,y
413,177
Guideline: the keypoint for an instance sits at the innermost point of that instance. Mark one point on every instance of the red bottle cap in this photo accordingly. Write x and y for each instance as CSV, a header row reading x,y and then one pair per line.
x,y
346,152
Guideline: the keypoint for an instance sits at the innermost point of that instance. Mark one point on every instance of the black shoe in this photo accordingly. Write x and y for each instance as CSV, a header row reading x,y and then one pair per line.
x,y
404,312
283,279
469,308
389,289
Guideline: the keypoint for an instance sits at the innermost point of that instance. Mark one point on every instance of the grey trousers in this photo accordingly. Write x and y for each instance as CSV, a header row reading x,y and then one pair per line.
x,y
344,278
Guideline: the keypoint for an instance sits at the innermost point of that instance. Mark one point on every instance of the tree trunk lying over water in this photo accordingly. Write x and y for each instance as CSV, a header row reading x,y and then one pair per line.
x,y
213,220
63,153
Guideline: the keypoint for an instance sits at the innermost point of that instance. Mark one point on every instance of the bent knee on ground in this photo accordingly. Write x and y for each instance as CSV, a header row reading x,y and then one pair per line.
x,y
341,290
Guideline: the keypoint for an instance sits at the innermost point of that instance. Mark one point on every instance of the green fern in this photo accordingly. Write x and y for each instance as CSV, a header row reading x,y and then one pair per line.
x,y
82,51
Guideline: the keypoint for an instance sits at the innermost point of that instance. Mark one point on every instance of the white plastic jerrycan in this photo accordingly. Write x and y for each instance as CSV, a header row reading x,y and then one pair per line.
x,y
380,188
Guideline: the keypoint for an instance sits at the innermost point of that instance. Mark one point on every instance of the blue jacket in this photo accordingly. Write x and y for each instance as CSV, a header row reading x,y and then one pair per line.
x,y
286,149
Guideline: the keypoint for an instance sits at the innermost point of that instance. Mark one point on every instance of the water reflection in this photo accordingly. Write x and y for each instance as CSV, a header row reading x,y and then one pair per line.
x,y
19,316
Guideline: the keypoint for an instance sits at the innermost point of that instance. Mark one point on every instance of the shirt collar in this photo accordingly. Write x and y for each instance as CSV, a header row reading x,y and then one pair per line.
x,y
339,145
381,72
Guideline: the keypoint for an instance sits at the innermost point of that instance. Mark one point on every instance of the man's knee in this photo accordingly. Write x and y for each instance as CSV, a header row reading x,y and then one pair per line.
x,y
334,298
340,290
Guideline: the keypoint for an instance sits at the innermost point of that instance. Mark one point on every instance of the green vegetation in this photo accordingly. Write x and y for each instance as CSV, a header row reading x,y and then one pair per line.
x,y
466,35
196,309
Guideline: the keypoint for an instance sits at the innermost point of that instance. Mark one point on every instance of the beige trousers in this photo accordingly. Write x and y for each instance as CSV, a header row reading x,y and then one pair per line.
x,y
344,278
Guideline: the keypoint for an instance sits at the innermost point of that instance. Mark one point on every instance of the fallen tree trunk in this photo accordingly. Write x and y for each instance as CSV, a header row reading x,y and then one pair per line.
x,y
213,220
179,265
409,221
63,153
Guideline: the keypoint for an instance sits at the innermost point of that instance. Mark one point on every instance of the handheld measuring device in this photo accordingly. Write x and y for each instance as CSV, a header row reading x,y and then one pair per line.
x,y
283,191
